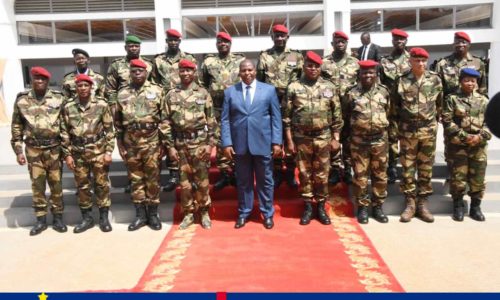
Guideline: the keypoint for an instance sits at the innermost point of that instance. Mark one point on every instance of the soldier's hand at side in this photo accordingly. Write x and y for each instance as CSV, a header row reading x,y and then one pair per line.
x,y
70,162
207,151
123,152
173,154
107,159
290,147
21,159
276,151
334,145
229,152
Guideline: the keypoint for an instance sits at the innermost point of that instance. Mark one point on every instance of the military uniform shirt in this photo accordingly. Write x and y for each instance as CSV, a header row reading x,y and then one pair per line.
x,y
279,70
220,73
69,86
449,68
393,67
343,73
166,69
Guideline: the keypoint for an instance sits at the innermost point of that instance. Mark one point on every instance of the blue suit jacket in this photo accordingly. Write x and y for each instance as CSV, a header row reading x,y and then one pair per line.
x,y
254,130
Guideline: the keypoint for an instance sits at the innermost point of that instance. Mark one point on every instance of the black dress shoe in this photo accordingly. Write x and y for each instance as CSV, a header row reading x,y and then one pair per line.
x,y
240,222
268,223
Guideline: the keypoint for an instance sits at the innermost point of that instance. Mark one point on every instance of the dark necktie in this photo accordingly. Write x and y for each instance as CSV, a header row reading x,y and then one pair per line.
x,y
248,97
363,53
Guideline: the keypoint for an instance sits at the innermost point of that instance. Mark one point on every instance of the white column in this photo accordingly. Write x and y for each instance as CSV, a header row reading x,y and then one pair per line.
x,y
337,16
12,80
168,15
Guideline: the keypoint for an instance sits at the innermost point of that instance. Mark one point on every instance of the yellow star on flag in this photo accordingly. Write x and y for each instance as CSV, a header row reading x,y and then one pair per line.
x,y
42,296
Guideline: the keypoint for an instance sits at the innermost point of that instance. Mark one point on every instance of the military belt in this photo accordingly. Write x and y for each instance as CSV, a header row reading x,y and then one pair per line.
x,y
42,142
317,132
416,124
372,137
189,135
142,126
82,141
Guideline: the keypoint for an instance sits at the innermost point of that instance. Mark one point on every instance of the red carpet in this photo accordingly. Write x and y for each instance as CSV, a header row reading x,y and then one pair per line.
x,y
288,258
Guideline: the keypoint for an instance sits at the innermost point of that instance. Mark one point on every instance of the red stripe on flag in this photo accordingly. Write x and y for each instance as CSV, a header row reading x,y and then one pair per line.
x,y
221,296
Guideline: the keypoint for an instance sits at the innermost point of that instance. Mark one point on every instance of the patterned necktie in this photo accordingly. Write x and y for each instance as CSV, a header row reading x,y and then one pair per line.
x,y
248,97
363,53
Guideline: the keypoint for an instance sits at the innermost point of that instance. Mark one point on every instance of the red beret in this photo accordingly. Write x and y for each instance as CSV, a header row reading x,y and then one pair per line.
x,y
224,35
83,77
340,34
367,64
312,56
280,28
419,52
173,33
184,63
399,32
137,63
462,35
40,72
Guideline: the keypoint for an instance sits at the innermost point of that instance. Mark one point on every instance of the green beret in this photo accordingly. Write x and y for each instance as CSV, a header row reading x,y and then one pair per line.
x,y
132,39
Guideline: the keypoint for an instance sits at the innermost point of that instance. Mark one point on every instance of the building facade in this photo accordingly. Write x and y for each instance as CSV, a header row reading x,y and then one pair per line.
x,y
43,32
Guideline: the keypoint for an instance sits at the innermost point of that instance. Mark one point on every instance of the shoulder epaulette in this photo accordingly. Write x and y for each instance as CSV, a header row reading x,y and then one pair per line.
x,y
208,55
384,87
69,73
238,54
352,86
56,92
159,54
117,59
22,94
295,50
146,59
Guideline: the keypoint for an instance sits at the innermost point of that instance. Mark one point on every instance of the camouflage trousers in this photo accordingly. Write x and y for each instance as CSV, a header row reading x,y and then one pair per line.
x,y
468,168
193,171
143,164
369,160
342,157
45,166
393,144
223,163
313,161
417,156
95,165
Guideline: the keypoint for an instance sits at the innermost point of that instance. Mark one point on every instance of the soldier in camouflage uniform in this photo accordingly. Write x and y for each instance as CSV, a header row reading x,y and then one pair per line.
x,y
87,145
118,75
141,126
366,109
392,66
190,141
35,122
166,74
417,106
448,69
81,59
279,66
342,69
463,120
312,119
219,72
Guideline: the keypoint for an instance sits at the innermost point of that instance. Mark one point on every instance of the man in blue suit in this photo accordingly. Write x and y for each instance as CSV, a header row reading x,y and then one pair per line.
x,y
251,130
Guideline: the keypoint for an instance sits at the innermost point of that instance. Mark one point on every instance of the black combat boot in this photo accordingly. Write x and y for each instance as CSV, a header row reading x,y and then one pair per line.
x,y
458,208
87,222
322,215
362,214
104,219
278,178
347,174
58,224
140,217
307,214
290,176
392,174
172,182
224,180
475,210
153,218
41,225
334,176
379,215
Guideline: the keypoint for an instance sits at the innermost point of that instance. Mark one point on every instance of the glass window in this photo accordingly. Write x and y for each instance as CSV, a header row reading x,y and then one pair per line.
x,y
237,25
145,29
72,32
200,27
474,16
400,18
107,31
34,32
363,20
263,24
436,18
305,23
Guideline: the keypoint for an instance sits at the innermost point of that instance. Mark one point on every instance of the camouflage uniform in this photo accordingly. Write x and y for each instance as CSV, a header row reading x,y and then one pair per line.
x,y
391,68
463,115
312,111
279,70
190,114
217,75
448,69
68,86
87,135
343,73
141,127
366,116
417,106
36,123
166,69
